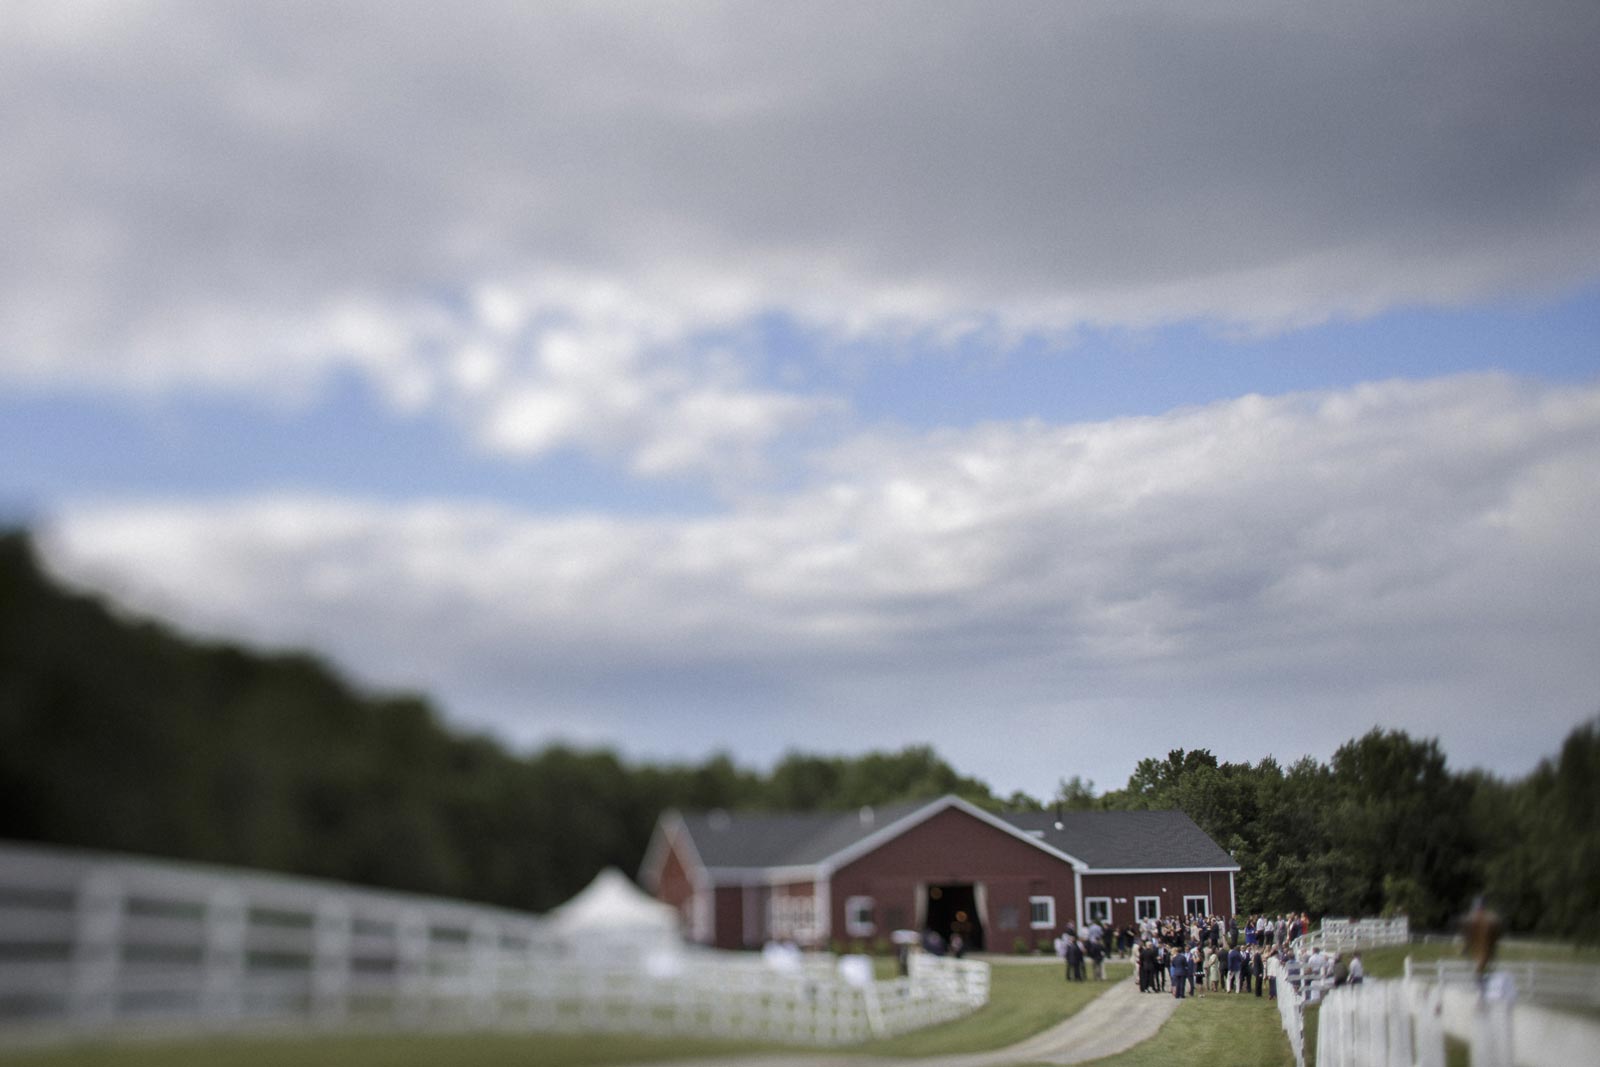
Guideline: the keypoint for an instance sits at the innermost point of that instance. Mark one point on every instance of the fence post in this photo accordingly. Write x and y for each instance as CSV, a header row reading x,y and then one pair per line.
x,y
1428,1032
411,967
484,951
1400,1024
227,919
1491,1032
97,949
330,962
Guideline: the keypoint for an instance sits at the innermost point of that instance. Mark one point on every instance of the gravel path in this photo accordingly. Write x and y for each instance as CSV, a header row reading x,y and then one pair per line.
x,y
1118,1019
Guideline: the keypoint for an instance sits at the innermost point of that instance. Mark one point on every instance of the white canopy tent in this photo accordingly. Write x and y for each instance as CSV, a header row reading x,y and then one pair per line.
x,y
615,917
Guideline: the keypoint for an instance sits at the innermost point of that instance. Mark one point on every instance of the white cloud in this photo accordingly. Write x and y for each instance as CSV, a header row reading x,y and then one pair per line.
x,y
1265,574
255,197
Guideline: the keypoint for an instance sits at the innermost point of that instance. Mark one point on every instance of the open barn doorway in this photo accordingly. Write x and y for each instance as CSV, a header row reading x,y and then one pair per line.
x,y
953,909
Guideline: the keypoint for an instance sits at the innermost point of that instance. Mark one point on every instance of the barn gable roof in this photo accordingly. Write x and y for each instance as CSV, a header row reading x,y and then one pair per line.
x,y
807,843
789,839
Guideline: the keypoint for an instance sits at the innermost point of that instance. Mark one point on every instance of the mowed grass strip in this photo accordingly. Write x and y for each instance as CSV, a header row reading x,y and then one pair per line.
x,y
1389,961
1219,1028
1024,999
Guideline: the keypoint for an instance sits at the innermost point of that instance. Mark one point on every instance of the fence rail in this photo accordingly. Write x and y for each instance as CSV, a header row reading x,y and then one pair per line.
x,y
93,941
1567,985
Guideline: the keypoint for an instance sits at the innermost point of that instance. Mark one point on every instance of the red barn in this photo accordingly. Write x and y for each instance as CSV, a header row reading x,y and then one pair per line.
x,y
740,880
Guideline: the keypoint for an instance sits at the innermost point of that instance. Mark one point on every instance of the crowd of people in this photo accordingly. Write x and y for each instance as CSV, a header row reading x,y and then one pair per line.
x,y
1194,954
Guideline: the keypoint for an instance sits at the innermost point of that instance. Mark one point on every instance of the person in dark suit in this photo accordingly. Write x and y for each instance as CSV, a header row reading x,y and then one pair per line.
x,y
1258,968
1147,967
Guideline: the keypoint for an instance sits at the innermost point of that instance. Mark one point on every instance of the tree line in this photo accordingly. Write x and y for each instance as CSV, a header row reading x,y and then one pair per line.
x,y
1386,827
120,733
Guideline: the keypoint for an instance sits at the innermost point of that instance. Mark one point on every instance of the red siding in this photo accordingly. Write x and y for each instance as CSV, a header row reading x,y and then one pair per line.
x,y
675,886
1170,887
728,932
955,847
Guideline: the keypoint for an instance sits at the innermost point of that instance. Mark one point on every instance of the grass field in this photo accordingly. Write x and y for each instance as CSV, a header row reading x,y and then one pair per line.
x,y
1024,999
1389,962
1239,1031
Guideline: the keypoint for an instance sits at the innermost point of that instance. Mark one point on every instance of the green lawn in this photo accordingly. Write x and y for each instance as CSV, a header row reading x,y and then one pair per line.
x,y
1024,999
1389,962
1233,1030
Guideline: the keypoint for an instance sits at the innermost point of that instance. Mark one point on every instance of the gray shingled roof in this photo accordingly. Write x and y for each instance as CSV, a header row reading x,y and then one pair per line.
x,y
1156,840
792,839
1115,840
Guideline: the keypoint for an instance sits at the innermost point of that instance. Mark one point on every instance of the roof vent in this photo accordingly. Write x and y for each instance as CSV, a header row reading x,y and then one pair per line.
x,y
719,819
1036,833
1060,825
867,815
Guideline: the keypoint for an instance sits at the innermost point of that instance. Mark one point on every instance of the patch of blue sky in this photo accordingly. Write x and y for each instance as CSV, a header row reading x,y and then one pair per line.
x,y
1098,375
345,443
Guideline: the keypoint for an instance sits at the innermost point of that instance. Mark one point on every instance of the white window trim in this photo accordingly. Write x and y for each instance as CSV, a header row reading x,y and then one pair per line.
x,y
1088,910
852,928
703,921
1049,922
1140,900
1204,900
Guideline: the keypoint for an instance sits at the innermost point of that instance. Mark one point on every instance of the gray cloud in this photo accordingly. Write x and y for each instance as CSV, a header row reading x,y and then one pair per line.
x,y
1261,575
210,194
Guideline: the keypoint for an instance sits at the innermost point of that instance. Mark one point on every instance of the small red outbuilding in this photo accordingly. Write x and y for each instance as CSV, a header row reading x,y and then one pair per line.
x,y
740,880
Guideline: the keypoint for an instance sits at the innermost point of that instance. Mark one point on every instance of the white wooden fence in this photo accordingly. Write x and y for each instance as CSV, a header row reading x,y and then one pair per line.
x,y
1404,1023
719,995
1387,1024
92,941
1296,985
1343,935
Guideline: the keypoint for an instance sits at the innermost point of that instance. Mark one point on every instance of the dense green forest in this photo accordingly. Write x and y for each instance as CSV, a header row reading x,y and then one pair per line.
x,y
119,733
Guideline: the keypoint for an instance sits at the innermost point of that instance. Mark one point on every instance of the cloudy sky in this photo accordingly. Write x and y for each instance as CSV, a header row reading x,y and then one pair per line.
x,y
1054,384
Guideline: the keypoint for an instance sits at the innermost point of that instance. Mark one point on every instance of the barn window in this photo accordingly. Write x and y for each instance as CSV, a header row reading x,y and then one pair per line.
x,y
1041,912
1197,905
1147,907
1098,909
858,917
